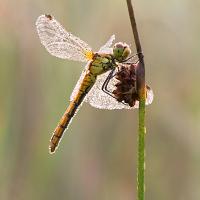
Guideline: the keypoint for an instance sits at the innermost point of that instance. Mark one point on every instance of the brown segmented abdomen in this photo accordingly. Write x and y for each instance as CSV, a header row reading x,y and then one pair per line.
x,y
85,86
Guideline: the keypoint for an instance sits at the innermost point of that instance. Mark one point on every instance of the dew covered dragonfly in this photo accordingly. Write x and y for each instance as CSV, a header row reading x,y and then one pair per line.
x,y
98,76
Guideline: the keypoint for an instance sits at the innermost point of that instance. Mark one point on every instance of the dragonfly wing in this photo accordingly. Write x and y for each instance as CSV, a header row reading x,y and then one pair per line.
x,y
59,42
106,47
150,96
99,99
76,88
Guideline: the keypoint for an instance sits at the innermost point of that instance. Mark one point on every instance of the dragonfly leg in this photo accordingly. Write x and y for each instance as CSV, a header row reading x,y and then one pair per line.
x,y
132,63
106,82
131,57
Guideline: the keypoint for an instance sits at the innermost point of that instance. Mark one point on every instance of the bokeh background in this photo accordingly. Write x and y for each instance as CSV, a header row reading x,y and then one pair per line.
x,y
97,157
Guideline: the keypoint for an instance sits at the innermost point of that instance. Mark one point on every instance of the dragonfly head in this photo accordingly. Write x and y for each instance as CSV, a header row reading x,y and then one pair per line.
x,y
121,51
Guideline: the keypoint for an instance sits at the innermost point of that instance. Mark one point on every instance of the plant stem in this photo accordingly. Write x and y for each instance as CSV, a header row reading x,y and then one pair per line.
x,y
141,88
141,152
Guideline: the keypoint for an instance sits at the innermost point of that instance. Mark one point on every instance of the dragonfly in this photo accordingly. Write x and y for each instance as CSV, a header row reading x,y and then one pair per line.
x,y
99,69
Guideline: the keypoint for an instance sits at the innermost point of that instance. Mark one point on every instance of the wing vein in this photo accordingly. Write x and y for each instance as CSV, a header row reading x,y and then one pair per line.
x,y
59,42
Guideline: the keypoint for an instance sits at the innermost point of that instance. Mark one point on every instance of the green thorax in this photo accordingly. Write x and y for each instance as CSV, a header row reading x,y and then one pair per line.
x,y
101,63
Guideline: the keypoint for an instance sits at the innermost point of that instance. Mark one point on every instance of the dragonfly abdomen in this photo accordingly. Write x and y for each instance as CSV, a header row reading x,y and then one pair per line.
x,y
85,86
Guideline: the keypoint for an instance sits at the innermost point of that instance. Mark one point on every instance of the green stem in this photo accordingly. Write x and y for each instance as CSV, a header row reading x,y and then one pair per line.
x,y
141,151
141,88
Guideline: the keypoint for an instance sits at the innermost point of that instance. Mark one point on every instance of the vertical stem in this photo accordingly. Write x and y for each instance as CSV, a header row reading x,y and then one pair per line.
x,y
141,88
141,152
134,28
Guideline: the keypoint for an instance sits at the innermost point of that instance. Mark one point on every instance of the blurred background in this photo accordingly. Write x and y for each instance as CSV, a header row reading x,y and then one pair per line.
x,y
97,156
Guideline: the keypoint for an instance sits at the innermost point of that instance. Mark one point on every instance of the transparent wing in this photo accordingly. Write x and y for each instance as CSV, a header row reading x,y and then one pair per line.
x,y
59,42
106,47
96,97
150,96
99,99
76,88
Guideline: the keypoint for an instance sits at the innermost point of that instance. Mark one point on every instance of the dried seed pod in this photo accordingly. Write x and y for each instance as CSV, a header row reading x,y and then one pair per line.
x,y
126,86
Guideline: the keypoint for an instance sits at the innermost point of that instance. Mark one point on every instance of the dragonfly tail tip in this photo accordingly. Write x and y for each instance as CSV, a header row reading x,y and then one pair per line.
x,y
51,150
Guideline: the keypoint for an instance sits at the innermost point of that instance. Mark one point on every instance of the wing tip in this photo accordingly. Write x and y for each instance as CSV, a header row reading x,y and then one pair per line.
x,y
50,17
44,17
150,95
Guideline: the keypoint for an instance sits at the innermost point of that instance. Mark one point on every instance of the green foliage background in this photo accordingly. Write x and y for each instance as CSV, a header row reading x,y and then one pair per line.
x,y
97,157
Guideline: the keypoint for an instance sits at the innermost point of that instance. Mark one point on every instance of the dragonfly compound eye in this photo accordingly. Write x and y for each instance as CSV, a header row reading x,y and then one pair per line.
x,y
121,51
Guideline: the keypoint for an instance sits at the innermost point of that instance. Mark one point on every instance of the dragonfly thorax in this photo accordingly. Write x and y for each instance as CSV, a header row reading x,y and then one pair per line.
x,y
101,63
121,51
